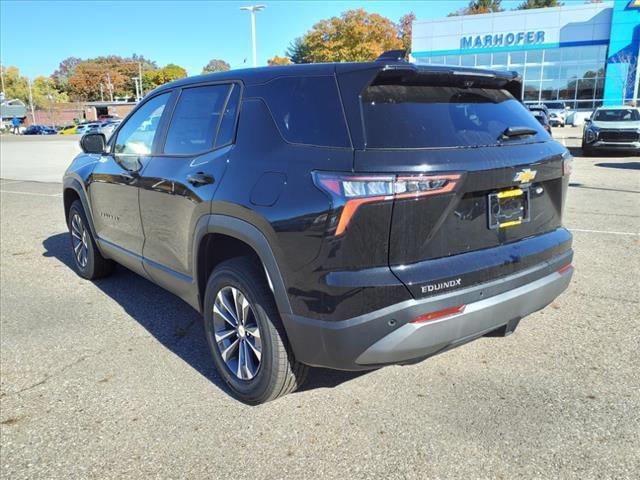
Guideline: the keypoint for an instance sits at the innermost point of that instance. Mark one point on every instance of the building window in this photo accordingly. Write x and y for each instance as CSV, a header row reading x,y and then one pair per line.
x,y
534,56
516,58
468,60
499,59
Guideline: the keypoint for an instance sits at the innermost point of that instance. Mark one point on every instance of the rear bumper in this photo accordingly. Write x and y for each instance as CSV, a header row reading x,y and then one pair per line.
x,y
386,336
416,340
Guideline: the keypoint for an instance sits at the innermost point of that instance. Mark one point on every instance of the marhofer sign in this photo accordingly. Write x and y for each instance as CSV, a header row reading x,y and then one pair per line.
x,y
502,39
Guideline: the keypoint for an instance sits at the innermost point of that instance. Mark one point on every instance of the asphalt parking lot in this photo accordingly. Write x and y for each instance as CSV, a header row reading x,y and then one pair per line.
x,y
113,379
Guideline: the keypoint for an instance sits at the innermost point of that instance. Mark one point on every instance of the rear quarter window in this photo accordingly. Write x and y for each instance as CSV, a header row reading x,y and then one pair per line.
x,y
307,110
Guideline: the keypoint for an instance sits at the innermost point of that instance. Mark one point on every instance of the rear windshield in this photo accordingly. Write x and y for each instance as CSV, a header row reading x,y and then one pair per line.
x,y
401,116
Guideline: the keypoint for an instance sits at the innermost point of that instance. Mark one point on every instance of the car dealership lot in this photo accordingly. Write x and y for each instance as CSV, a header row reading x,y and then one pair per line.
x,y
113,379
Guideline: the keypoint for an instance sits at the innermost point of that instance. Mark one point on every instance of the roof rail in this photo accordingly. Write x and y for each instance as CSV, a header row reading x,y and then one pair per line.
x,y
392,55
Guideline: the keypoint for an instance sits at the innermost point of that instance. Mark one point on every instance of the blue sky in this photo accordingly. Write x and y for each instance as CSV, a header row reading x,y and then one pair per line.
x,y
36,35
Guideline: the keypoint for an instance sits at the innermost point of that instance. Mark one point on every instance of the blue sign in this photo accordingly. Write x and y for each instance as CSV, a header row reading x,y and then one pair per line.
x,y
502,40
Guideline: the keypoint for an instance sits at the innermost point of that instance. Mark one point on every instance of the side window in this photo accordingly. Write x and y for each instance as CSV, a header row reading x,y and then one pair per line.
x,y
307,110
228,123
195,120
136,135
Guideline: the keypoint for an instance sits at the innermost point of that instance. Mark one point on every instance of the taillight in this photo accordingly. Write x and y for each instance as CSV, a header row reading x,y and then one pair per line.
x,y
351,191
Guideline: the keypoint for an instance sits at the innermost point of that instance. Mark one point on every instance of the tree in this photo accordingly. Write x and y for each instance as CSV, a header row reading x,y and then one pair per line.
x,y
64,71
529,4
216,65
355,36
45,93
298,51
622,69
15,85
404,30
279,61
166,74
476,7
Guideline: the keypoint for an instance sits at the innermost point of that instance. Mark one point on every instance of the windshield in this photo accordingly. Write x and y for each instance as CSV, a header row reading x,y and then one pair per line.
x,y
617,115
423,116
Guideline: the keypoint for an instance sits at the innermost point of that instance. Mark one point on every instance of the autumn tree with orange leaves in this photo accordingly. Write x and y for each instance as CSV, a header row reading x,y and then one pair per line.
x,y
355,36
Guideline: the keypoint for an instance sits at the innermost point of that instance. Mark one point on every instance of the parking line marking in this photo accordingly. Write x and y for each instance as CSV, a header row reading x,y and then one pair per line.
x,y
33,193
604,231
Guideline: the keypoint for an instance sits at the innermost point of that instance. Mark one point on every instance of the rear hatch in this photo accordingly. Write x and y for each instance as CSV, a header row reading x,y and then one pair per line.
x,y
500,208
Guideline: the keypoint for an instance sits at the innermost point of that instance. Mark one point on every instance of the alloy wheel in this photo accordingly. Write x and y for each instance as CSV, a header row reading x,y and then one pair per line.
x,y
79,240
236,332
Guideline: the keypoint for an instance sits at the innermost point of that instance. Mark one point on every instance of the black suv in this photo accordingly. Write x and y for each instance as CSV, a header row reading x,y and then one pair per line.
x,y
346,215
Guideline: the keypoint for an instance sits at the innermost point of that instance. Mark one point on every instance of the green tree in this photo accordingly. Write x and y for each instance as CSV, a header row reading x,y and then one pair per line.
x,y
476,7
279,61
45,93
355,36
216,65
404,30
529,4
15,85
298,51
154,78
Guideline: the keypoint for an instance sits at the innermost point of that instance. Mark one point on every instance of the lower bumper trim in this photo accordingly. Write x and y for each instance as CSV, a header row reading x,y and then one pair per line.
x,y
415,340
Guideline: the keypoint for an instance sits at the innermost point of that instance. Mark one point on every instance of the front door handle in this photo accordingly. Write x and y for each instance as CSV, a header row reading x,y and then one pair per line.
x,y
200,178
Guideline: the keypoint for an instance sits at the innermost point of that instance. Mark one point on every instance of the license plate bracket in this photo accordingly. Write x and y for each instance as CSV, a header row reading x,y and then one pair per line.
x,y
508,208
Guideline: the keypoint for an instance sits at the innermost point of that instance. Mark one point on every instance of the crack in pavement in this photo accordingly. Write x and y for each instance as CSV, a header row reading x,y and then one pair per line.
x,y
79,360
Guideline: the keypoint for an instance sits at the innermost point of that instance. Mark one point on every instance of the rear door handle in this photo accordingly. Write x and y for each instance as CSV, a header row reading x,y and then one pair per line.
x,y
200,178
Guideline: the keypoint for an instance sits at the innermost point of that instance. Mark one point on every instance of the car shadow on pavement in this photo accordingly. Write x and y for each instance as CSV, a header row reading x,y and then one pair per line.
x,y
623,166
170,320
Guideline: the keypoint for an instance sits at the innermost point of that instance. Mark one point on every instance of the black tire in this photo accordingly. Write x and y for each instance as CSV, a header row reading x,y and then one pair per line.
x,y
586,151
278,373
92,265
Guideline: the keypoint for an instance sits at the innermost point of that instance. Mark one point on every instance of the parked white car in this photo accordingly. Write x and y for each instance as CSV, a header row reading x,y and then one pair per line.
x,y
612,128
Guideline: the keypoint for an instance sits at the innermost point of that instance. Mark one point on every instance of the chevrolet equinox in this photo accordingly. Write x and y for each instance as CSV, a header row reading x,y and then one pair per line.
x,y
347,215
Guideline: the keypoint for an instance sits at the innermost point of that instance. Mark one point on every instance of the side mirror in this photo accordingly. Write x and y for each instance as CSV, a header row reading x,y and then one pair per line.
x,y
93,143
587,121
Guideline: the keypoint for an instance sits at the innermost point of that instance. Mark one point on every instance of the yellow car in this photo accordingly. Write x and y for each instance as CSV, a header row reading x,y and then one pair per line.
x,y
68,130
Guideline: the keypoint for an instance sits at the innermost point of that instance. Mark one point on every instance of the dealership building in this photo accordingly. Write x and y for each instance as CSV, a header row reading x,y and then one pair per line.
x,y
583,54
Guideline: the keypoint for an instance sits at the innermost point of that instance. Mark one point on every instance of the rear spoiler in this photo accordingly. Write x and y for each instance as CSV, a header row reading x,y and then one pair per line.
x,y
408,74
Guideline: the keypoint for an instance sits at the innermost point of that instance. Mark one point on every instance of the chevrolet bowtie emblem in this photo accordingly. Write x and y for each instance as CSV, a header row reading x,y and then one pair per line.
x,y
525,176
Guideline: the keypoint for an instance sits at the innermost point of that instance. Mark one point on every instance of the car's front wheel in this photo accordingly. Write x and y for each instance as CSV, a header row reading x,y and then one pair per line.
x,y
248,343
88,260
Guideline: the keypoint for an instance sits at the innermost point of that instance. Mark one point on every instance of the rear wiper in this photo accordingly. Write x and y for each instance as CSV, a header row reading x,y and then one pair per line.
x,y
515,132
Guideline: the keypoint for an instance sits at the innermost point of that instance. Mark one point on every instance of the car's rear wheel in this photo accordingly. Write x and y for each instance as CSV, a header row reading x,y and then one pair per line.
x,y
88,260
245,334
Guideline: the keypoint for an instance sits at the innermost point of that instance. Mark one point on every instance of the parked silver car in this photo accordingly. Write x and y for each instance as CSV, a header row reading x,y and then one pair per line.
x,y
612,128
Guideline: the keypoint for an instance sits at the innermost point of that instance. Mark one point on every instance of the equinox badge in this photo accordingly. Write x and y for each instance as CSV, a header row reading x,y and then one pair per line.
x,y
525,176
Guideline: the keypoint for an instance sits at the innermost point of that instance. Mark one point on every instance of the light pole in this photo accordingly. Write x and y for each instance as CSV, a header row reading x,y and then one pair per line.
x,y
2,79
33,113
253,9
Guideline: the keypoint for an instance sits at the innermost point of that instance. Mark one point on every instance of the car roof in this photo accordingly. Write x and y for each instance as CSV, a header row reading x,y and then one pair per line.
x,y
260,75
